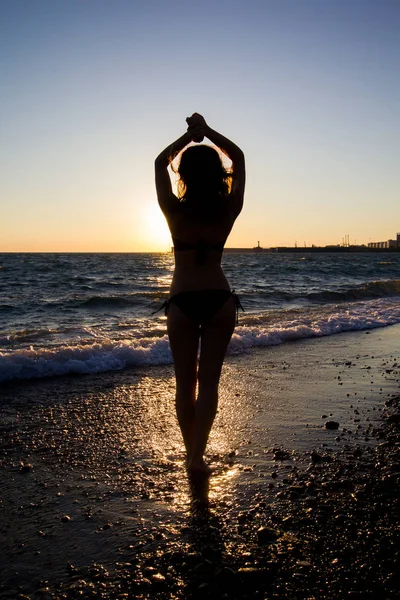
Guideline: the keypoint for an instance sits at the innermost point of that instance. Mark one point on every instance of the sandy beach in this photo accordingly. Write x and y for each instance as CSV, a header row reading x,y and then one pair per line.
x,y
302,502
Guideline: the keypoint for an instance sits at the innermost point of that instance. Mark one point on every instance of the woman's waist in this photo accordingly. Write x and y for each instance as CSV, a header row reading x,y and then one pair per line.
x,y
198,279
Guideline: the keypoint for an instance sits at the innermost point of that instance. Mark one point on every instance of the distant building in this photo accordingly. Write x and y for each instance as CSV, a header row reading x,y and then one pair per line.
x,y
389,244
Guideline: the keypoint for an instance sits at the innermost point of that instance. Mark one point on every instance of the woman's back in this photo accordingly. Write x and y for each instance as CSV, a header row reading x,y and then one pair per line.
x,y
198,249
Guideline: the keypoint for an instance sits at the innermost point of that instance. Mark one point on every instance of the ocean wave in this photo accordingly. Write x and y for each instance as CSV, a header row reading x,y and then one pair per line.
x,y
253,337
97,358
121,301
6,307
106,301
296,291
372,289
148,351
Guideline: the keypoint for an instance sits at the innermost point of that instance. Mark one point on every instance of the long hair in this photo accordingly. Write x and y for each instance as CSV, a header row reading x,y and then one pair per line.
x,y
203,182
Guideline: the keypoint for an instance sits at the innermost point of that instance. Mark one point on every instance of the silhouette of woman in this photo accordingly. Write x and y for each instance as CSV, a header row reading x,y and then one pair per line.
x,y
201,308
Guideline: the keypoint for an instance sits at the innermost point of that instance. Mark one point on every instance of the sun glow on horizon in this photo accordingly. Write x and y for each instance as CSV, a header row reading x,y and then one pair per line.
x,y
156,234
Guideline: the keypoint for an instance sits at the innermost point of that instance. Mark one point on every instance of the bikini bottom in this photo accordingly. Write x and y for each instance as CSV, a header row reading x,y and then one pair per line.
x,y
201,306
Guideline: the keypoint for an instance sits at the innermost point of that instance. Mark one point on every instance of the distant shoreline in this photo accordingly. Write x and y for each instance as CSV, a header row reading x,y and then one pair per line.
x,y
302,250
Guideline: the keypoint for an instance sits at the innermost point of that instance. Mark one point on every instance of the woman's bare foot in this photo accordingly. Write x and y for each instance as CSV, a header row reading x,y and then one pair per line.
x,y
198,467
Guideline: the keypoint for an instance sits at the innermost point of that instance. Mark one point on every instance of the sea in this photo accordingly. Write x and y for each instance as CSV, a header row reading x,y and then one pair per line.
x,y
90,313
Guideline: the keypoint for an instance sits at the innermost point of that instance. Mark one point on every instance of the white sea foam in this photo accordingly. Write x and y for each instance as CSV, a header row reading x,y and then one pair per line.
x,y
254,331
97,358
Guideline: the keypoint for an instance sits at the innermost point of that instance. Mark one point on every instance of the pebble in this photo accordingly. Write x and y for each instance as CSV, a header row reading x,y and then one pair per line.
x,y
332,425
243,517
251,573
266,535
287,522
281,454
304,564
25,467
394,419
316,458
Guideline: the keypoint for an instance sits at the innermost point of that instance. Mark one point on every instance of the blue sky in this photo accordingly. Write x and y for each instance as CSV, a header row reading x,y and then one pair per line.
x,y
93,90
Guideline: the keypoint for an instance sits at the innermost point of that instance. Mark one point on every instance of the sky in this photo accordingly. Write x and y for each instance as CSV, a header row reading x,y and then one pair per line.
x,y
92,90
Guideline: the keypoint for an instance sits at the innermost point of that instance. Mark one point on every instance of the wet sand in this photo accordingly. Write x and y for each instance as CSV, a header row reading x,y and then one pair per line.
x,y
96,502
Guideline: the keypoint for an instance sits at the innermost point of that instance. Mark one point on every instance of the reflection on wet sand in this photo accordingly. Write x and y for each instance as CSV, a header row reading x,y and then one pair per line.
x,y
110,458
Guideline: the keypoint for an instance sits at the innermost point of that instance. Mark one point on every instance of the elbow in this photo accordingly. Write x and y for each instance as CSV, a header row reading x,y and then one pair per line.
x,y
240,155
238,158
161,162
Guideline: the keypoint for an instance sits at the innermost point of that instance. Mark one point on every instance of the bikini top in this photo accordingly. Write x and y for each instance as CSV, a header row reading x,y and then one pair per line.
x,y
202,247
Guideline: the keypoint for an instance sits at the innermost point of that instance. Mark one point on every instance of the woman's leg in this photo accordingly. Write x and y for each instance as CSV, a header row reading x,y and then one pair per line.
x,y
214,342
184,341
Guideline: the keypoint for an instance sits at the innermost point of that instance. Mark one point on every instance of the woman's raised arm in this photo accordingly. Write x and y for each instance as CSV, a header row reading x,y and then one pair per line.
x,y
166,198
